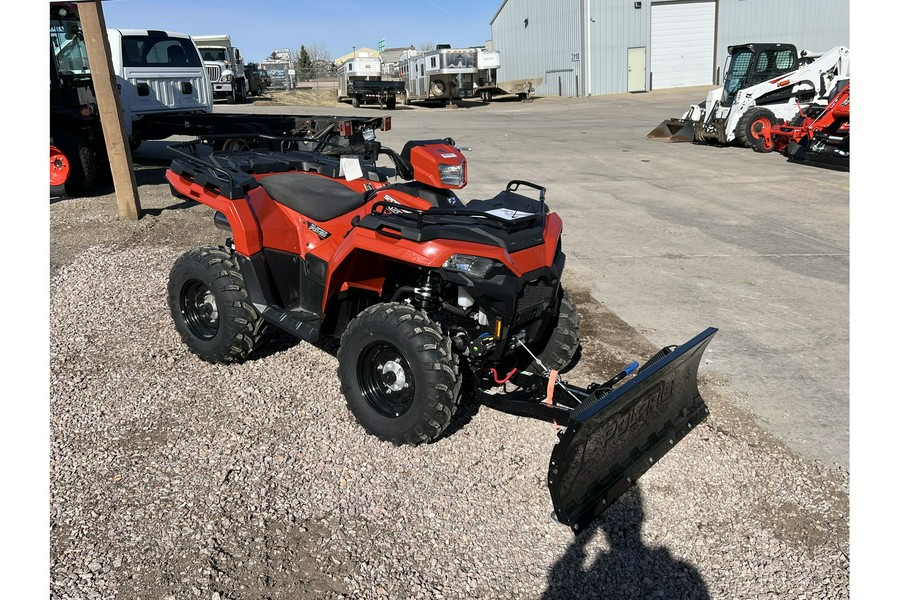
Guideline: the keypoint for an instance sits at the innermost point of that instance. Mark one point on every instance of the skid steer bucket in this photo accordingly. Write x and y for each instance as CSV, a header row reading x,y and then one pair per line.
x,y
673,130
612,438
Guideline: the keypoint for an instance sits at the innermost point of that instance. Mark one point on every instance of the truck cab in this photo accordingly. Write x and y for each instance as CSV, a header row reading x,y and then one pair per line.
x,y
225,67
158,71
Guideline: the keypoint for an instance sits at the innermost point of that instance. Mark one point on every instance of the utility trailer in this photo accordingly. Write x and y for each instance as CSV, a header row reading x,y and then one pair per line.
x,y
164,91
487,83
444,75
360,81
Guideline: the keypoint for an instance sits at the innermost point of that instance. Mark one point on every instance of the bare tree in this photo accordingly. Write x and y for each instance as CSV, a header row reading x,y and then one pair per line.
x,y
318,52
426,46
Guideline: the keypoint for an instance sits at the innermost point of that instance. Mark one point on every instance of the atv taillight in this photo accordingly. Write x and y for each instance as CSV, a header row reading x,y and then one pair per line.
x,y
386,124
345,128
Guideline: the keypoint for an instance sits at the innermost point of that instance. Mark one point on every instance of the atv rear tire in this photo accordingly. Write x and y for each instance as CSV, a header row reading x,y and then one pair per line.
x,y
398,374
211,308
562,341
755,123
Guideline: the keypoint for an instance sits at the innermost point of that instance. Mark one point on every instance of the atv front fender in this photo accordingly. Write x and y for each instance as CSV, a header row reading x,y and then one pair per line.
x,y
612,439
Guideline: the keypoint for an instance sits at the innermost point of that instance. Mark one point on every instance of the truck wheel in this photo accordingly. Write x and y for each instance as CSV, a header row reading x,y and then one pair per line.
x,y
391,103
755,123
73,163
398,374
405,99
211,308
560,344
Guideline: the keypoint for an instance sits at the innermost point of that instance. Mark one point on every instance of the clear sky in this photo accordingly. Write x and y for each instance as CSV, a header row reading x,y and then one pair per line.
x,y
260,27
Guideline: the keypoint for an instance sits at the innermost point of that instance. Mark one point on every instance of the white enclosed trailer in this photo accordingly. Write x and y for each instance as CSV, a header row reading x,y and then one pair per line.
x,y
442,75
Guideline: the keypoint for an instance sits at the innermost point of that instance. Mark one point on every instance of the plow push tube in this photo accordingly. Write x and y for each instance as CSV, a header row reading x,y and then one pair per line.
x,y
610,440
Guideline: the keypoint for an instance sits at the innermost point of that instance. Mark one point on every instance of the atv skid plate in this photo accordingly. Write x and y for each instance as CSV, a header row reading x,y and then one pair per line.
x,y
610,436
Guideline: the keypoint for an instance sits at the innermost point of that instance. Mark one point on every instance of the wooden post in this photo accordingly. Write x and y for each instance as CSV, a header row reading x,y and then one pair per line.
x,y
107,92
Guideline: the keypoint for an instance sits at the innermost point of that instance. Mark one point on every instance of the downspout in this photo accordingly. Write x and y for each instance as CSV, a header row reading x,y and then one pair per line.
x,y
586,46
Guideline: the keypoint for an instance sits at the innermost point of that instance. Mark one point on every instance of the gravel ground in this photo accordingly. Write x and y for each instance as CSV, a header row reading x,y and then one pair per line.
x,y
171,478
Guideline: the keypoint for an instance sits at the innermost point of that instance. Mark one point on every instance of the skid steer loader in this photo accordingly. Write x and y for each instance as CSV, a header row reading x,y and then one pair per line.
x,y
765,85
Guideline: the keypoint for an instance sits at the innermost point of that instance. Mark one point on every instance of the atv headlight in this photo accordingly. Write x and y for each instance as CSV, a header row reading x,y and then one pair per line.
x,y
453,174
476,266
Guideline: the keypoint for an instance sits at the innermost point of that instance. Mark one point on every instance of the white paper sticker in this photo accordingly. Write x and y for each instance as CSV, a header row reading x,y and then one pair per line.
x,y
509,214
351,168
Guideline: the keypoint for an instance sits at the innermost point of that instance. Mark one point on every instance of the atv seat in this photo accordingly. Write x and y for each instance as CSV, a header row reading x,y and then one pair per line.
x,y
316,197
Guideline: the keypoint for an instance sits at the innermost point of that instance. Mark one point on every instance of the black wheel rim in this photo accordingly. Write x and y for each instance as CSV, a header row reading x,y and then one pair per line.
x,y
385,379
199,309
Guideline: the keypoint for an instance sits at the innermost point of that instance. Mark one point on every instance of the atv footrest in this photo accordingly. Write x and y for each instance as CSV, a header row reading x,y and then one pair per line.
x,y
301,323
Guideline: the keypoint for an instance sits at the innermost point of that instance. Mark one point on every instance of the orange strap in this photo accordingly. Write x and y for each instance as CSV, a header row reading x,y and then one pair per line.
x,y
551,387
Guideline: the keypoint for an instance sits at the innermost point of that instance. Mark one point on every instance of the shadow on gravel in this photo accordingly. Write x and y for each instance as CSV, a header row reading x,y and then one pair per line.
x,y
629,569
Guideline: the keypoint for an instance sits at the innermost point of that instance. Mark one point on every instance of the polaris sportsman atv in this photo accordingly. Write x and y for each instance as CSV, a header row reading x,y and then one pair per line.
x,y
428,295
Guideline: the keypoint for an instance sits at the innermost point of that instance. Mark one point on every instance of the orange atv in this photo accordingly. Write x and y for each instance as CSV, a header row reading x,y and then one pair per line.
x,y
427,294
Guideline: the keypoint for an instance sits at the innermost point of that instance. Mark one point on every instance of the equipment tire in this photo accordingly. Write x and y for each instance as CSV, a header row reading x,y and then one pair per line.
x,y
211,308
561,342
73,163
391,103
756,122
399,374
438,87
354,102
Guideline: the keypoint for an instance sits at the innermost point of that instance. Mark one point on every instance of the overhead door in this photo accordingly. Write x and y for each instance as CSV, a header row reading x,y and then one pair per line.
x,y
682,42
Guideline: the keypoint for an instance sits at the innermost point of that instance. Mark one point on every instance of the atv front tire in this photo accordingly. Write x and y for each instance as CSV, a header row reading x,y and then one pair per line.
x,y
211,308
398,374
560,344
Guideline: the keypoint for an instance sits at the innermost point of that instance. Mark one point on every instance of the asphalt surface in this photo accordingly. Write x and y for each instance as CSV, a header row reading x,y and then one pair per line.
x,y
674,238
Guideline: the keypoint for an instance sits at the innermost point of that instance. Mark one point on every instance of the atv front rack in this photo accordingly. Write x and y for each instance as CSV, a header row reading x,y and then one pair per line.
x,y
609,434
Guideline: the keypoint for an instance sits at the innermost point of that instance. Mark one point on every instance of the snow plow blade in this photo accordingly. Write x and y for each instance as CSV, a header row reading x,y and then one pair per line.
x,y
673,130
613,439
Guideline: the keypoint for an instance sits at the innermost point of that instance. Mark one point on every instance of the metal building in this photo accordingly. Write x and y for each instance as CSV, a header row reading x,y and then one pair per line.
x,y
591,47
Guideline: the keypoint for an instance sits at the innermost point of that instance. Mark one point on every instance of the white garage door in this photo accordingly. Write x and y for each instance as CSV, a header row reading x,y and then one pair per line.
x,y
681,43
